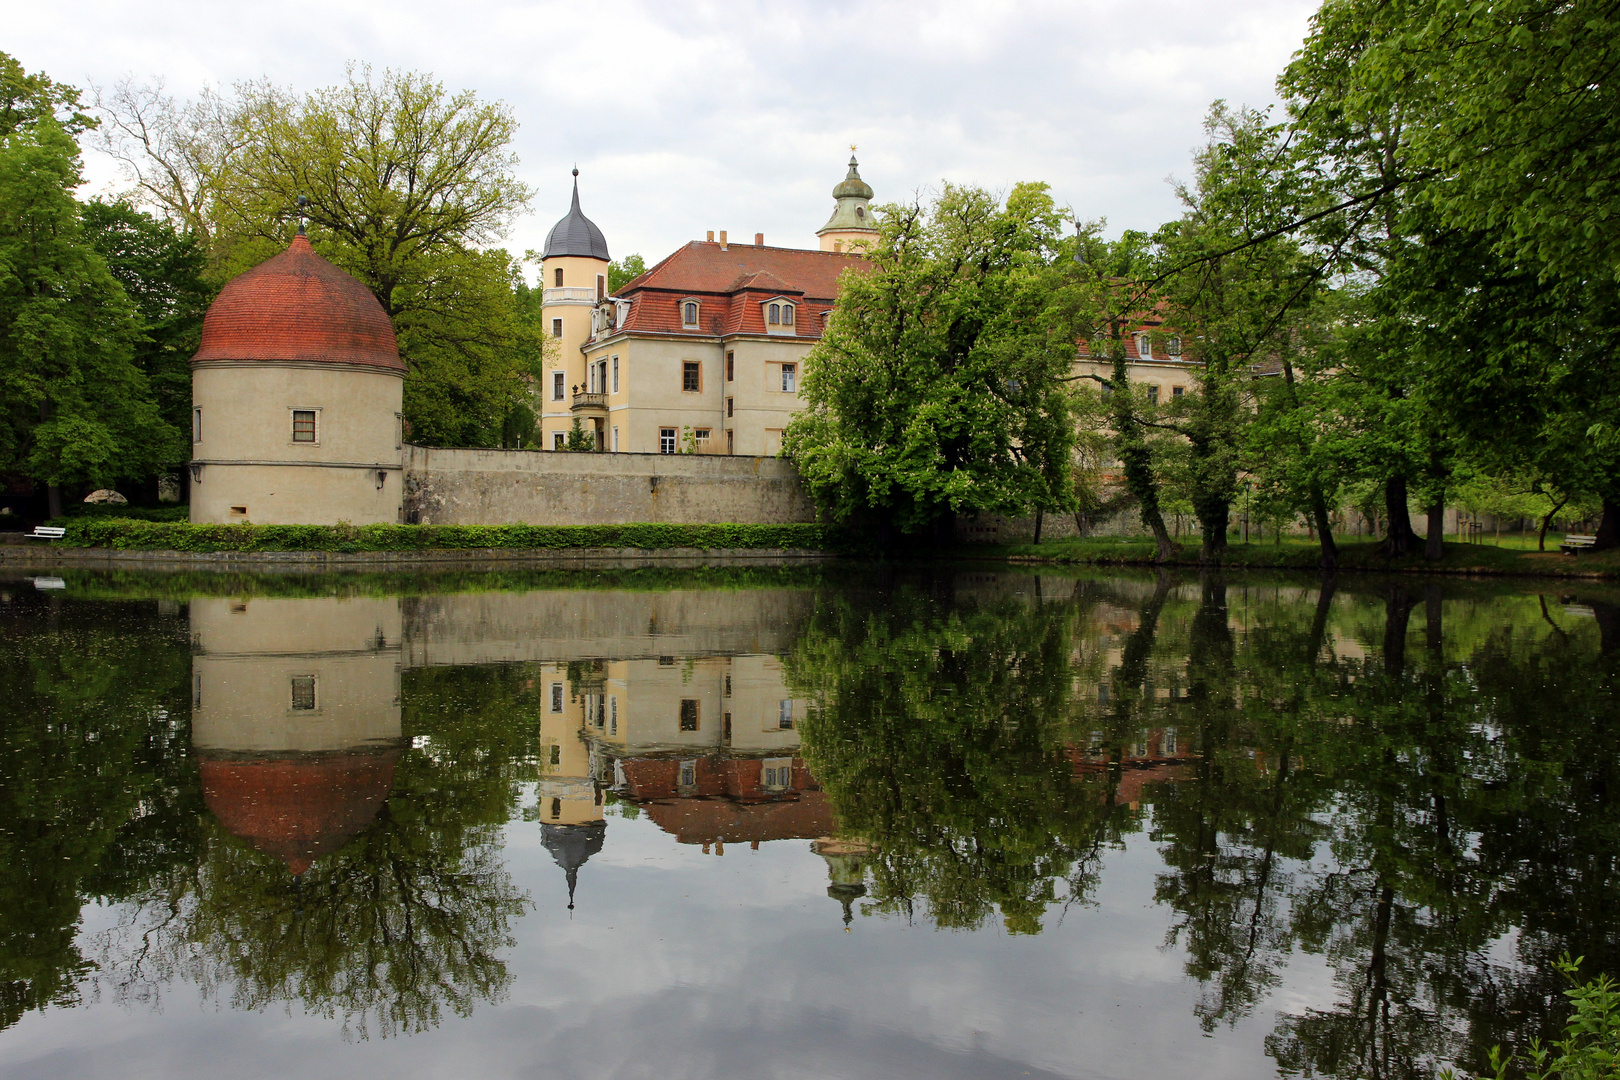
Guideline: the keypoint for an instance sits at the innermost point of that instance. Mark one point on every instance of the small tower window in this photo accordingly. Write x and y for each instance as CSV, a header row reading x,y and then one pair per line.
x,y
556,386
196,425
303,425
689,314
556,327
558,273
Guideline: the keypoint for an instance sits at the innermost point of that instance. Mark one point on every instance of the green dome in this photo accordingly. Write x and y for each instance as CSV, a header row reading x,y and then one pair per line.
x,y
853,186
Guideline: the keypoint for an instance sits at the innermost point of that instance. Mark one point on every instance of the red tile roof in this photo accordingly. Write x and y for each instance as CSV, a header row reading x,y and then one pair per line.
x,y
301,808
298,306
731,284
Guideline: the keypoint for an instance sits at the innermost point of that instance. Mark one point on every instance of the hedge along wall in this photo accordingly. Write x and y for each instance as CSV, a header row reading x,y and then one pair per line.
x,y
167,536
549,487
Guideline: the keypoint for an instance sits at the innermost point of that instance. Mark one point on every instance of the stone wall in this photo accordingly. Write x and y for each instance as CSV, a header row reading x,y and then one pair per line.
x,y
548,487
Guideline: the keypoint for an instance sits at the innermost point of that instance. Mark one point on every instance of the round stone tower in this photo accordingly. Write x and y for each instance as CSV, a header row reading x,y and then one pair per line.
x,y
296,397
851,227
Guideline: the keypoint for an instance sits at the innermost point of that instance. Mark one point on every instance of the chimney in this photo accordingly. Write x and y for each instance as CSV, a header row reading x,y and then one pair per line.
x,y
722,239
759,239
711,236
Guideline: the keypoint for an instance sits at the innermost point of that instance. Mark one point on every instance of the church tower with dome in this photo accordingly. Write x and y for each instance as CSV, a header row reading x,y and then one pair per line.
x,y
296,393
851,227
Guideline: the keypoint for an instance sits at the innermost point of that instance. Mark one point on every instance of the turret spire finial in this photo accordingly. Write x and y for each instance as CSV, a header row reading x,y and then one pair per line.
x,y
303,202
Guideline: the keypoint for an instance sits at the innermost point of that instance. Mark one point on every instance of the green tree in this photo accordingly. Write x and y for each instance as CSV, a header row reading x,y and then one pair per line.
x,y
77,409
940,385
623,271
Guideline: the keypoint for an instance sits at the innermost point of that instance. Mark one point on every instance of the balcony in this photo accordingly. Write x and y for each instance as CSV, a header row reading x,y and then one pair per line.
x,y
565,293
584,402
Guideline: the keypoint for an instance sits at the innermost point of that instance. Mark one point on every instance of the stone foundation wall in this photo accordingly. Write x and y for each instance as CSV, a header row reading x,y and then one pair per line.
x,y
552,487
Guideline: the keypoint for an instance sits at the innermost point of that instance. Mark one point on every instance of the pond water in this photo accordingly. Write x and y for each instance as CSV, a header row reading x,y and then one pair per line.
x,y
798,823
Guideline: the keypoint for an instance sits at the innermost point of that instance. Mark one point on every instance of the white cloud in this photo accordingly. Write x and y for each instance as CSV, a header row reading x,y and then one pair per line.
x,y
685,117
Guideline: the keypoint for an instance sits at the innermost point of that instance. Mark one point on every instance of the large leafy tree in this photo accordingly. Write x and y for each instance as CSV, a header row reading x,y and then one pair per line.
x,y
939,388
76,408
407,186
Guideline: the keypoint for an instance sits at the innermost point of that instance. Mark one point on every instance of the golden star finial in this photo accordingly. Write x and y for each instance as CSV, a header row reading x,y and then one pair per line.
x,y
852,148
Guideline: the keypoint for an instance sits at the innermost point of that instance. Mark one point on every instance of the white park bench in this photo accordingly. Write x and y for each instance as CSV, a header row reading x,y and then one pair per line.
x,y
1576,542
47,532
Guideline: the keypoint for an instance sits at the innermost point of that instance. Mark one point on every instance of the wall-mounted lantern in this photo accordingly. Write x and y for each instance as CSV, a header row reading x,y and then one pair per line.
x,y
196,472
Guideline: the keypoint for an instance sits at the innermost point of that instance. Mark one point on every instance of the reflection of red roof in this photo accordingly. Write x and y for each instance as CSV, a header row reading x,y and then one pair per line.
x,y
298,306
732,778
298,808
703,821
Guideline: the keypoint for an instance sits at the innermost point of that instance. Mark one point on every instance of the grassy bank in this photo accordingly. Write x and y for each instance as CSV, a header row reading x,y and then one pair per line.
x,y
1305,555
128,535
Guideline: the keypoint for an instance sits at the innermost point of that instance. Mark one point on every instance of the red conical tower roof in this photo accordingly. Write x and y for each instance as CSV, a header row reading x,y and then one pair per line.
x,y
298,306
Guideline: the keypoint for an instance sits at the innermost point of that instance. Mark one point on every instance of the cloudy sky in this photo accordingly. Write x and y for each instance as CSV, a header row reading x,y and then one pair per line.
x,y
685,117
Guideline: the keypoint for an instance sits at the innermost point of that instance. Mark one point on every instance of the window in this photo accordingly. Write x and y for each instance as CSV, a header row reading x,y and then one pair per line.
x,y
666,440
1177,391
601,286
731,366
728,686
691,376
1140,749
615,374
1167,743
774,314
860,212
731,441
666,661
556,386
556,753
689,314
1144,347
303,692
1153,395
689,714
702,436
1173,346
196,691
790,378
784,714
399,430
615,438
558,440
556,324
556,803
239,511
787,314
556,697
303,425
559,277
687,776
777,773
196,425
731,409
613,715
725,726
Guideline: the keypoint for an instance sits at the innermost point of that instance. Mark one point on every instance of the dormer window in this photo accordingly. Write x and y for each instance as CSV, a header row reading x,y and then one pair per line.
x,y
1173,346
1144,348
778,317
689,314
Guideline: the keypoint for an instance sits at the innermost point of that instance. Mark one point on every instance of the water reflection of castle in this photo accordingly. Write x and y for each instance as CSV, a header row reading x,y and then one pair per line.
x,y
674,702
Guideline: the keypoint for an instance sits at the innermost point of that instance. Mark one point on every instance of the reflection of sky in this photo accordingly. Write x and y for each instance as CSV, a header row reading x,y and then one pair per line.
x,y
676,964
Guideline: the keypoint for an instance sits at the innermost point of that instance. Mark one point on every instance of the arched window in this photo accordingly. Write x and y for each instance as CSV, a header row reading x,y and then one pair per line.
x,y
787,314
1173,346
689,313
774,314
1144,347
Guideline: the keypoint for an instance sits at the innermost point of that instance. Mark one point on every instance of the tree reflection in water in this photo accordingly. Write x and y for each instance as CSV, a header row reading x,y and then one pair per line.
x,y
1410,783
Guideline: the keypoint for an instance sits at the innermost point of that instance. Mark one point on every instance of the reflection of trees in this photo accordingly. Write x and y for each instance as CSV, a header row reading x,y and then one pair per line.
x,y
96,793
400,925
940,733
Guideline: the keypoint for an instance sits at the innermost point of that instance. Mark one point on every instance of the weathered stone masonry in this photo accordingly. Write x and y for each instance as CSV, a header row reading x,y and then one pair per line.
x,y
544,487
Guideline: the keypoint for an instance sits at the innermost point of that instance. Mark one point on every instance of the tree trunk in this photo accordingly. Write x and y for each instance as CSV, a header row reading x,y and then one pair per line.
x,y
1136,458
1434,544
1401,539
1608,532
1040,519
53,501
1324,529
1541,538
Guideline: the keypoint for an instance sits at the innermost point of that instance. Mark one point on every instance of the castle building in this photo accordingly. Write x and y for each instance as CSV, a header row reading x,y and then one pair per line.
x,y
702,353
296,399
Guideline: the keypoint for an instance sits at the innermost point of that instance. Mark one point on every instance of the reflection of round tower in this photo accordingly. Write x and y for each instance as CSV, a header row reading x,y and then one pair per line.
x,y
851,227
571,846
573,277
846,868
295,718
296,397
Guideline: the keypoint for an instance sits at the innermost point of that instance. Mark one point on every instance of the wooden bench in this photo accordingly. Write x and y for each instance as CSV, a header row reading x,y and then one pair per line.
x,y
47,532
1576,542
